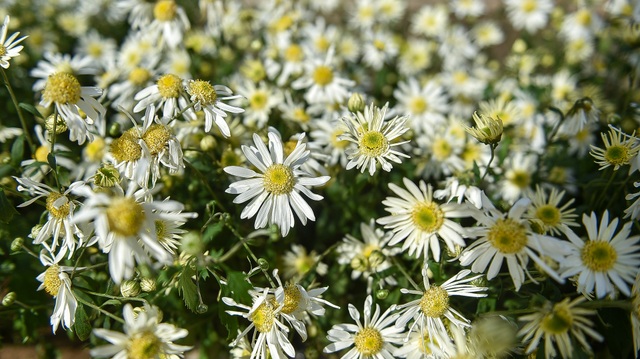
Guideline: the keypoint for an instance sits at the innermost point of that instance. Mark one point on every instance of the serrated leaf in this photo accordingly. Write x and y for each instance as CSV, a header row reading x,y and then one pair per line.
x,y
239,287
82,326
17,151
188,289
229,321
212,231
31,109
6,209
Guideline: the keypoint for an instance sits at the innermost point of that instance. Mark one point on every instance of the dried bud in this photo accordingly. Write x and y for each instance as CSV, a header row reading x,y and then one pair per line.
x,y
356,103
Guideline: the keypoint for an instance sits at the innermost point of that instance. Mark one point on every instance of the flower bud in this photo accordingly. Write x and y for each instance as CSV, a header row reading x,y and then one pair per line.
x,y
202,308
9,299
382,294
106,176
129,288
487,130
60,124
263,263
147,284
356,103
208,143
115,130
17,244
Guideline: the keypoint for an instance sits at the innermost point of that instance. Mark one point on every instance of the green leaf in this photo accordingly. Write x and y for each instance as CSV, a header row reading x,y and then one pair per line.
x,y
82,326
51,159
112,302
17,151
5,170
6,209
239,287
31,109
188,288
476,172
212,231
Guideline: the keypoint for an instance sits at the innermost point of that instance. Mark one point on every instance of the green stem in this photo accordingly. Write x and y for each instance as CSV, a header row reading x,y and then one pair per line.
x,y
23,122
404,272
115,297
486,171
108,314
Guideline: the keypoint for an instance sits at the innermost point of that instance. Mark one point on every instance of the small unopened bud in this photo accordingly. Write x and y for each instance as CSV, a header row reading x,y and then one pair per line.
x,y
115,130
106,176
208,143
17,244
360,263
202,308
35,230
9,299
263,263
382,294
129,288
147,284
55,121
356,103
376,258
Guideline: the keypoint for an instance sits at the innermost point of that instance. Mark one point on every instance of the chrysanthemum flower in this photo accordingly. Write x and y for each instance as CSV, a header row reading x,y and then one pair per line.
x,y
487,130
433,308
269,339
605,260
417,220
618,150
275,190
531,15
209,99
168,94
56,282
322,82
297,262
559,323
546,212
9,48
373,137
144,337
374,338
509,237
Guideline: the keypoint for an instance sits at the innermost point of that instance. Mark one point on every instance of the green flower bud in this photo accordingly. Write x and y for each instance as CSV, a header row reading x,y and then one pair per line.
x,y
202,308
382,294
356,103
130,288
106,176
208,143
148,284
60,124
9,299
17,244
263,263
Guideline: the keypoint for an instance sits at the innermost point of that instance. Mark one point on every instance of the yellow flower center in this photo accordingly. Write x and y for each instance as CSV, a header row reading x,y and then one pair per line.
x,y
52,281
62,88
165,10
322,43
169,86
424,341
94,151
598,256
278,179
335,142
460,77
300,115
617,155
258,100
441,149
144,345
264,315
139,76
529,6
41,154
202,91
126,147
125,216
292,298
548,214
434,302
59,212
427,216
303,264
323,75
373,143
293,53
161,229
558,175
3,50
584,17
507,236
519,178
379,45
282,23
156,138
417,105
558,321
368,341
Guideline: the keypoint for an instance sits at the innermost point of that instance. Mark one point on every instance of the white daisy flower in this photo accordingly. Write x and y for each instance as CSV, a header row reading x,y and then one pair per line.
x,y
373,138
433,307
139,152
606,260
327,134
168,95
559,323
269,339
297,262
169,23
425,104
419,222
53,63
430,20
209,99
546,213
519,169
531,15
125,225
37,168
7,133
275,189
56,282
9,47
509,237
322,82
633,211
458,188
373,338
144,337
619,149
262,100
60,207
